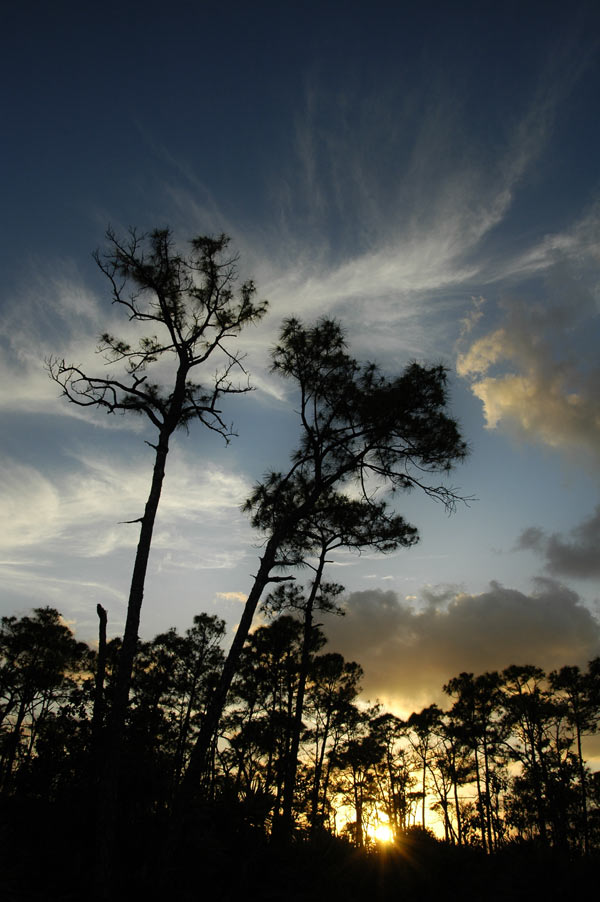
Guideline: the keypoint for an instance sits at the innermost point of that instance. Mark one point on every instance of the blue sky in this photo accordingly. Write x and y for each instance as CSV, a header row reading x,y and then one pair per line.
x,y
430,177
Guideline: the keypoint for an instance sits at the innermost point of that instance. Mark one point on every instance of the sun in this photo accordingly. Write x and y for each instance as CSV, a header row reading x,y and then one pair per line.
x,y
383,833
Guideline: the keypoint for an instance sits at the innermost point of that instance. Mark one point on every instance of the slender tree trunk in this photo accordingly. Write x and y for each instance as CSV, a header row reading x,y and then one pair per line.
x,y
488,792
457,806
317,778
185,728
285,826
358,807
98,713
480,804
109,784
536,771
199,755
325,788
393,799
216,706
424,788
581,768
136,592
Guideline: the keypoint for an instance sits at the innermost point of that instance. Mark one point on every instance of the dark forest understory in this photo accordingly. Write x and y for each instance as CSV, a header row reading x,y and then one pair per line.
x,y
46,855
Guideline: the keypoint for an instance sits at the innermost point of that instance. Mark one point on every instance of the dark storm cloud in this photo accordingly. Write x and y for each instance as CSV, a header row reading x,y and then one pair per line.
x,y
577,556
409,652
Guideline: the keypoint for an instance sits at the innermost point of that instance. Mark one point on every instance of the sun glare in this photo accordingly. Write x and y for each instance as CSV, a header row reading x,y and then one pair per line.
x,y
383,833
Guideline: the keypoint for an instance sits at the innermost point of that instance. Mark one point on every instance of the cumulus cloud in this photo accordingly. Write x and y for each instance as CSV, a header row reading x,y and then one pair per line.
x,y
577,556
536,373
409,651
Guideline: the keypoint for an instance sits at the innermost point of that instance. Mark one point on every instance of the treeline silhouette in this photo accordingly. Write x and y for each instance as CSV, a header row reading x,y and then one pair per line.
x,y
168,769
501,773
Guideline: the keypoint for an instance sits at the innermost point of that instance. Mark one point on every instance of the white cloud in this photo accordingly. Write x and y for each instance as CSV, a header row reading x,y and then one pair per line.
x,y
536,373
87,503
232,596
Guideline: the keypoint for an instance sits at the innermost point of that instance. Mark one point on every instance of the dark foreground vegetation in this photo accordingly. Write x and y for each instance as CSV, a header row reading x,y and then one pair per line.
x,y
500,775
47,859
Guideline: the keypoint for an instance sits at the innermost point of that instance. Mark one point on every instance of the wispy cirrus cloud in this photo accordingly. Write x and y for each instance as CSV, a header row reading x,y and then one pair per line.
x,y
383,215
64,542
398,182
56,315
85,504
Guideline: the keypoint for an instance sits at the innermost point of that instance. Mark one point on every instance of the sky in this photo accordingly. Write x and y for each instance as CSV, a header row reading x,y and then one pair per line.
x,y
431,178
